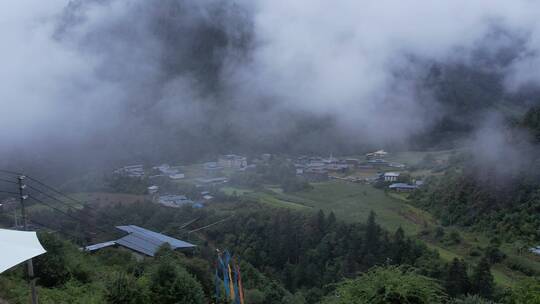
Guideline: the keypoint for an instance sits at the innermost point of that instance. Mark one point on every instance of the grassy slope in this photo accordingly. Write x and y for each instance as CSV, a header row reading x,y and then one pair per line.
x,y
272,197
353,202
350,202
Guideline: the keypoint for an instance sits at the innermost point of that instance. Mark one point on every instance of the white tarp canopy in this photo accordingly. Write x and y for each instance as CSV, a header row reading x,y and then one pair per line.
x,y
17,247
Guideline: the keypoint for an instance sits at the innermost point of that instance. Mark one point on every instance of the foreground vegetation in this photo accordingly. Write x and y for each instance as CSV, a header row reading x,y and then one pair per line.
x,y
286,256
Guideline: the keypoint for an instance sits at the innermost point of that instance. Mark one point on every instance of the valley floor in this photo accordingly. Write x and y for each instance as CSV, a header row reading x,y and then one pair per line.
x,y
353,202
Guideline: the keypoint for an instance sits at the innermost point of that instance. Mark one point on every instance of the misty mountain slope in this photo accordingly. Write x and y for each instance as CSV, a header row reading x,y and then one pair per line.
x,y
182,80
510,210
531,122
467,95
497,192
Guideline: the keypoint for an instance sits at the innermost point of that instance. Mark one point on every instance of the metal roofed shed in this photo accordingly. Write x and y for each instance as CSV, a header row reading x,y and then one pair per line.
x,y
147,241
177,176
174,200
100,246
402,187
142,241
211,181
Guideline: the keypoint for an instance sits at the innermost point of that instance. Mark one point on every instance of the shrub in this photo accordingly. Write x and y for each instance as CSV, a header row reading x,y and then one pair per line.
x,y
383,285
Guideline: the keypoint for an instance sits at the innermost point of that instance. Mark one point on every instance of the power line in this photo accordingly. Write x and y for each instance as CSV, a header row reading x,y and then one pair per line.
x,y
52,189
11,172
67,205
53,198
79,220
120,219
30,264
50,196
210,225
35,180
54,208
71,207
8,181
63,212
35,189
72,216
188,223
46,204
97,228
9,192
60,231
54,229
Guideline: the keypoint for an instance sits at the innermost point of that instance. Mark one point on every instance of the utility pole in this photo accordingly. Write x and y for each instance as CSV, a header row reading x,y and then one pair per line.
x,y
30,265
15,218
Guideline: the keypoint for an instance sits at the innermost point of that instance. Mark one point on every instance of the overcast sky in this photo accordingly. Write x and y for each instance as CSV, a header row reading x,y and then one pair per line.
x,y
73,74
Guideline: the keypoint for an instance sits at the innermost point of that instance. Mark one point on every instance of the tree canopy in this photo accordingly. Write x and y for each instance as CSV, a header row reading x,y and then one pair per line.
x,y
392,284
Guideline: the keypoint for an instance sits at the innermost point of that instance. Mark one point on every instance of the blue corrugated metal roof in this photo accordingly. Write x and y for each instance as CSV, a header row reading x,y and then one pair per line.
x,y
147,241
99,246
402,186
142,240
139,243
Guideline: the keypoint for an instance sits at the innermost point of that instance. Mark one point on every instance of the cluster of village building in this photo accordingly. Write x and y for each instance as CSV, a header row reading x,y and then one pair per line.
x,y
312,168
320,169
317,169
213,174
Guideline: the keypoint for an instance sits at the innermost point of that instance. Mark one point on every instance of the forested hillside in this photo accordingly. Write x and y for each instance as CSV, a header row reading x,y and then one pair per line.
x,y
285,256
511,210
499,196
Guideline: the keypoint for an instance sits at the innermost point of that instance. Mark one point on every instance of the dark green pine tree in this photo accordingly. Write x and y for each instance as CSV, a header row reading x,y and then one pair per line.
x,y
321,221
349,265
482,279
372,242
399,247
457,282
331,221
273,293
372,234
317,228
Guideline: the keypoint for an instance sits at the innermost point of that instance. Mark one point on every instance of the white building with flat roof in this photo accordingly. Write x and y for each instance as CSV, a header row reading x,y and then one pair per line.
x,y
232,161
377,154
391,176
153,189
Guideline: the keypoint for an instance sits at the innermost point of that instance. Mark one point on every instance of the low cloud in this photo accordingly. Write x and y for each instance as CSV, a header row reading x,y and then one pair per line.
x,y
127,80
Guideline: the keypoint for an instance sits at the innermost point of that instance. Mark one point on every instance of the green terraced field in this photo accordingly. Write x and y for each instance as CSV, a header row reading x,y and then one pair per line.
x,y
353,202
350,202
